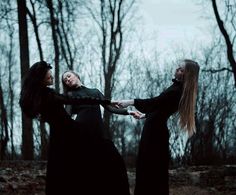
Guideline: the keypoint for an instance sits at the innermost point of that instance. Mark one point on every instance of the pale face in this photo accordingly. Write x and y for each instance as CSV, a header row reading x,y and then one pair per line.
x,y
71,80
179,73
48,79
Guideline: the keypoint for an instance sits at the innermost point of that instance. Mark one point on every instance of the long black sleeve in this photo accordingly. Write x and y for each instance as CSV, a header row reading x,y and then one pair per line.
x,y
65,99
164,100
116,110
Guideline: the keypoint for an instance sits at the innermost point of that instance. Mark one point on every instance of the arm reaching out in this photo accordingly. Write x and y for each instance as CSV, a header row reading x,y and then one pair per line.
x,y
137,114
66,99
122,103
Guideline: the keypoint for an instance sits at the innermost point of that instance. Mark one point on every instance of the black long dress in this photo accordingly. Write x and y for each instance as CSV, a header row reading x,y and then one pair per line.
x,y
90,115
108,173
153,155
65,168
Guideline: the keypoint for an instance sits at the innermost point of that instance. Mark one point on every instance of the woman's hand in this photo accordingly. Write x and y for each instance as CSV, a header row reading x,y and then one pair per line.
x,y
137,114
122,103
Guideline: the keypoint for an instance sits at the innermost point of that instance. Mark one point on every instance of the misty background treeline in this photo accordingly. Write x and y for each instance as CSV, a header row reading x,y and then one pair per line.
x,y
105,41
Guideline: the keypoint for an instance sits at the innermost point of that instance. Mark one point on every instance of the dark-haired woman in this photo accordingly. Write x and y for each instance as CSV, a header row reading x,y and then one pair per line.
x,y
66,167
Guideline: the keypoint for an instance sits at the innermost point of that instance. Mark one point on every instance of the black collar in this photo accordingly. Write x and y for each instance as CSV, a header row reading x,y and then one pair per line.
x,y
77,88
175,81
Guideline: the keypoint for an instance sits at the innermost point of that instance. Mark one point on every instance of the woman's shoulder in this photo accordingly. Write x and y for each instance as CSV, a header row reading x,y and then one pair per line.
x,y
174,89
48,90
84,91
92,90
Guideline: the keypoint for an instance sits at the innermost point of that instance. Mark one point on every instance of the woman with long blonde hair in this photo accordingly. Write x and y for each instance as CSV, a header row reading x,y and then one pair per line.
x,y
153,156
188,99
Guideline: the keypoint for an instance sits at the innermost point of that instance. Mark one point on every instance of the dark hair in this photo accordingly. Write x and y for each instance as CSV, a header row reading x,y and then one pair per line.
x,y
31,92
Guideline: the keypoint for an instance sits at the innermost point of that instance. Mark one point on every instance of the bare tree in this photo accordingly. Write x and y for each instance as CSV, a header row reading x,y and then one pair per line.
x,y
11,83
43,132
54,27
110,19
214,119
229,43
27,134
4,137
66,17
33,17
8,56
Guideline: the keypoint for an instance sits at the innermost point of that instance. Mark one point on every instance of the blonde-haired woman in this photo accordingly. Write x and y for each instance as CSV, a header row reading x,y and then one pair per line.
x,y
153,155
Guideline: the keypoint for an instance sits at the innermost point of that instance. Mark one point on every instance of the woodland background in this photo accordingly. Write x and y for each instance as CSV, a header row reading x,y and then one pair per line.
x,y
104,42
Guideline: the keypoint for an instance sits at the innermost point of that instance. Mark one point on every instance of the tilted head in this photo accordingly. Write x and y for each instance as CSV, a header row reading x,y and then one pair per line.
x,y
70,80
191,71
37,78
37,73
187,71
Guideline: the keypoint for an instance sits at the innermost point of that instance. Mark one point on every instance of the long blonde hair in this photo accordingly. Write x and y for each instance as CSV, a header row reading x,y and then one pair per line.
x,y
188,99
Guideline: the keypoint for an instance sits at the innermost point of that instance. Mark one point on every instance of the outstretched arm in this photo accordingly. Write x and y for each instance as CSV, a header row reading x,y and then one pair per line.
x,y
137,114
65,99
150,104
114,110
122,103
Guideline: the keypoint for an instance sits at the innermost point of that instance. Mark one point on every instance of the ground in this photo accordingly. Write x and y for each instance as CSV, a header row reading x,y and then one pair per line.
x,y
28,178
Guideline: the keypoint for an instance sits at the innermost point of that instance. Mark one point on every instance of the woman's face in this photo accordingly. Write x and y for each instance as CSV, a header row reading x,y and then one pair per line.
x,y
71,80
48,79
179,73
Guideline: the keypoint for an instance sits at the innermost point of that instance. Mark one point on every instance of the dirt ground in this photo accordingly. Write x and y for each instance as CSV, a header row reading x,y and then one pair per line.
x,y
28,178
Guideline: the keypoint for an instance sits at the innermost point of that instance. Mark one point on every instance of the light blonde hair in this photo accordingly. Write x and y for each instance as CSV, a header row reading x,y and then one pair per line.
x,y
188,99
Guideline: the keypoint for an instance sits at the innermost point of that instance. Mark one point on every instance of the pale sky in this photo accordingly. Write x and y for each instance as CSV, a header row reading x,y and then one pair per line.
x,y
176,22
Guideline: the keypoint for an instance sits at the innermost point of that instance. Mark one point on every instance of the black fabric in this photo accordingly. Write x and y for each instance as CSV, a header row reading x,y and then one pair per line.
x,y
153,155
71,149
90,115
108,171
81,160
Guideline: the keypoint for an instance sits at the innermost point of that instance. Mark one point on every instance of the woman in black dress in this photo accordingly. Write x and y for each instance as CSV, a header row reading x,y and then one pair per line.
x,y
108,167
73,86
153,155
66,167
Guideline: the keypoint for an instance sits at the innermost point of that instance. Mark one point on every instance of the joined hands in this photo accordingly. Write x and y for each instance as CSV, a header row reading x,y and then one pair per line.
x,y
125,104
136,114
122,103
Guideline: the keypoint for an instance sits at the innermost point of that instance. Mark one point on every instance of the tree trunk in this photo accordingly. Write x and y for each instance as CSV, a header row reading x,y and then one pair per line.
x,y
4,126
230,52
111,48
54,26
43,132
27,129
11,92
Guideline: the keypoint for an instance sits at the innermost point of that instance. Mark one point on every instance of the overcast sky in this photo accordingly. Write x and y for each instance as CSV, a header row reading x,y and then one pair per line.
x,y
176,22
